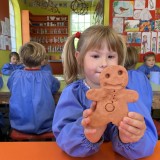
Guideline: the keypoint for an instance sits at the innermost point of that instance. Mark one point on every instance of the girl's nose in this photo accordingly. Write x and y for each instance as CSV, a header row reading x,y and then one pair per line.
x,y
104,63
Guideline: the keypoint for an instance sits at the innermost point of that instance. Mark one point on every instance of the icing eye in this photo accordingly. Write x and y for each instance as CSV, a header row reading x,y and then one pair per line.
x,y
120,72
107,75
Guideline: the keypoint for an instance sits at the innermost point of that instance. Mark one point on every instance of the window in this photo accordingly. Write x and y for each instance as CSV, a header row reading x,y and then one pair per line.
x,y
79,23
12,27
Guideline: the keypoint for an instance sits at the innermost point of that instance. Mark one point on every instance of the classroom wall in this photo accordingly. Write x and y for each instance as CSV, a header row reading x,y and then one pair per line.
x,y
4,12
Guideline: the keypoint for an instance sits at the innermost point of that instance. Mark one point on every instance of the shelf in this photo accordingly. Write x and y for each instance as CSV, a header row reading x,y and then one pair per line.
x,y
49,30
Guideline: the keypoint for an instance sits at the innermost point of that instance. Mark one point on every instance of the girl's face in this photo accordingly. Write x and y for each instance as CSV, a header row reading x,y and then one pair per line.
x,y
150,62
14,60
95,61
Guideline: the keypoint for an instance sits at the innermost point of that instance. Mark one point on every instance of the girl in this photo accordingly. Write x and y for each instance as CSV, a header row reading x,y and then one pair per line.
x,y
31,104
8,68
149,64
98,47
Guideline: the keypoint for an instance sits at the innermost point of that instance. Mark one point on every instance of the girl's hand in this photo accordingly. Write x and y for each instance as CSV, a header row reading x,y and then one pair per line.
x,y
92,134
132,128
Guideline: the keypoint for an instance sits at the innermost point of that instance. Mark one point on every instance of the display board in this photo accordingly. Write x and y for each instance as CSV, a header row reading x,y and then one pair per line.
x,y
139,23
5,41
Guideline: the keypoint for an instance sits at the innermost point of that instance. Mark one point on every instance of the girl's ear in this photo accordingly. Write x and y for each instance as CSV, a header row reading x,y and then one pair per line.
x,y
77,56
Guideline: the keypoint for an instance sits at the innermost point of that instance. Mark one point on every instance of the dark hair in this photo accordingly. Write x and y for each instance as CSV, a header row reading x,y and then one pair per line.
x,y
14,54
131,58
147,55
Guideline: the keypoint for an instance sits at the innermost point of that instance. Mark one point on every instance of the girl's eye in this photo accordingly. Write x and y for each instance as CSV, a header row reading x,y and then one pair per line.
x,y
110,57
95,56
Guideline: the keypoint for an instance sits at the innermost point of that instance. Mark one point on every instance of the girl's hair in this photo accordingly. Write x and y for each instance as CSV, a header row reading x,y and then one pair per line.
x,y
14,54
92,38
32,54
147,55
131,58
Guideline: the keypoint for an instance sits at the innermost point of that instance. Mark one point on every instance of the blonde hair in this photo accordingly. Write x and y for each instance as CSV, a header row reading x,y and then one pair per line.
x,y
93,37
131,58
32,54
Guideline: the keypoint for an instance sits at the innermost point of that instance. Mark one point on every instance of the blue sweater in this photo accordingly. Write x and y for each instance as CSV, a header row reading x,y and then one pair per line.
x,y
146,70
46,67
32,104
8,68
69,132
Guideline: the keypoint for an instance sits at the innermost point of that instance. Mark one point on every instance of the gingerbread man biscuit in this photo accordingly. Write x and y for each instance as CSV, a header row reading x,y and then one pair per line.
x,y
111,97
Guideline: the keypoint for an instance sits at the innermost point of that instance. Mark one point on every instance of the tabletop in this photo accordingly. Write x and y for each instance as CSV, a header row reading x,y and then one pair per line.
x,y
50,151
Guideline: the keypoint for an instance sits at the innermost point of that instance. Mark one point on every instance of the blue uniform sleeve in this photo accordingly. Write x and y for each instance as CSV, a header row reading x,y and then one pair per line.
x,y
67,126
55,84
20,66
145,146
143,69
140,83
1,82
47,68
70,136
7,69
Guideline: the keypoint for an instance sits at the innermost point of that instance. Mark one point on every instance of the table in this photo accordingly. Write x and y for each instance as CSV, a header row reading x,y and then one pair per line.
x,y
156,96
50,151
5,94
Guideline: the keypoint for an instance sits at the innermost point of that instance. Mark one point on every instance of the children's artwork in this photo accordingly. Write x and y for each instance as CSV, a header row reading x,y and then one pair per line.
x,y
138,48
118,25
151,4
145,44
146,26
131,25
157,13
136,14
123,8
133,37
139,4
145,14
158,43
154,42
157,25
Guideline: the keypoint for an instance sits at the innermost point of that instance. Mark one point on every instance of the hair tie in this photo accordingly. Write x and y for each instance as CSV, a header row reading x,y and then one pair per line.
x,y
77,35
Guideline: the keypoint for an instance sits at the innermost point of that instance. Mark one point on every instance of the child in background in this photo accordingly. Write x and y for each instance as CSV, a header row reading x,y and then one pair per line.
x,y
135,76
98,47
45,65
14,64
149,64
31,104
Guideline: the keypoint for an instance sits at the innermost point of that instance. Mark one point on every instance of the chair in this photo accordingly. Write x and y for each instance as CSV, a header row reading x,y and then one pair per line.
x,y
20,136
157,124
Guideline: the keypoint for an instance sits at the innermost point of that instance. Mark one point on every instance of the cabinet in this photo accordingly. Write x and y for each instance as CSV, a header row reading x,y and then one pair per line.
x,y
49,30
57,67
